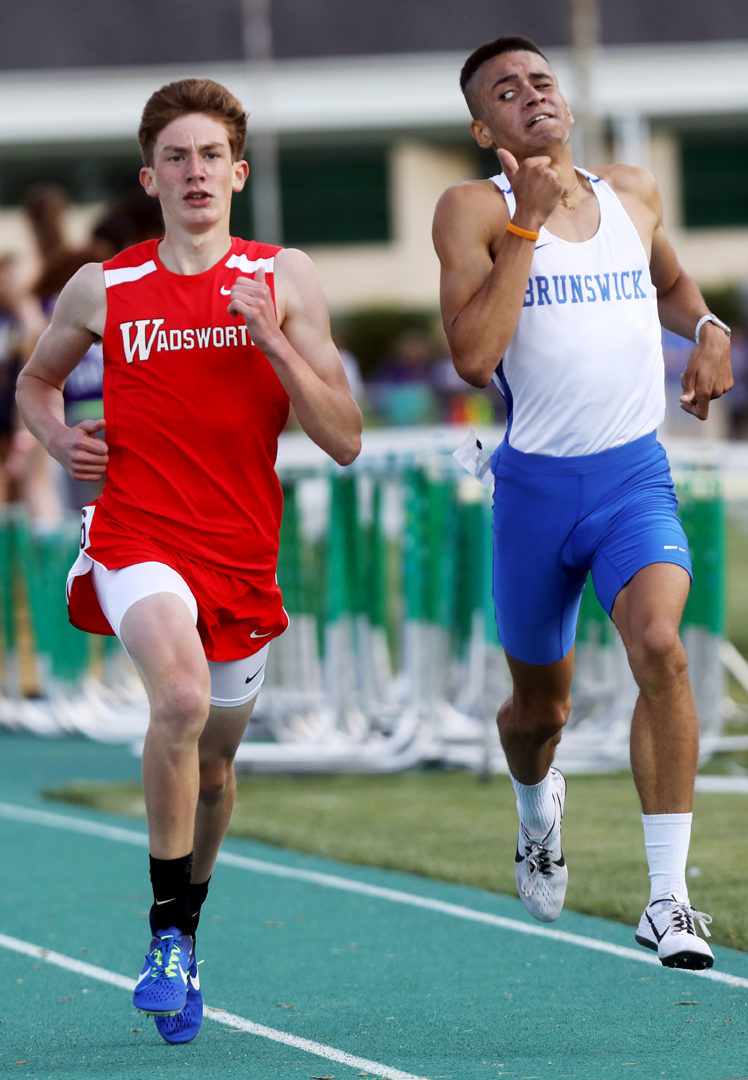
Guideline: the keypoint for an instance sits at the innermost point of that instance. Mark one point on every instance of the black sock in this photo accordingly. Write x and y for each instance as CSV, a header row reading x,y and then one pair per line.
x,y
198,895
171,884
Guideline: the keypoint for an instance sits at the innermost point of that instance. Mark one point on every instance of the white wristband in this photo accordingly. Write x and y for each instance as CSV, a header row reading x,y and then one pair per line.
x,y
713,319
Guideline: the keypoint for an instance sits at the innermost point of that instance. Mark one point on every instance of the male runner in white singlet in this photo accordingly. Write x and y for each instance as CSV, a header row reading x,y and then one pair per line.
x,y
206,339
554,283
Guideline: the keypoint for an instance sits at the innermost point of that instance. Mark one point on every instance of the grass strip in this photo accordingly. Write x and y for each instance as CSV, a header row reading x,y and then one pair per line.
x,y
449,826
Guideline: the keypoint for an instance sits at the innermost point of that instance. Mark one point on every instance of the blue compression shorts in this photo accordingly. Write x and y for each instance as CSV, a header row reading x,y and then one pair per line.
x,y
557,518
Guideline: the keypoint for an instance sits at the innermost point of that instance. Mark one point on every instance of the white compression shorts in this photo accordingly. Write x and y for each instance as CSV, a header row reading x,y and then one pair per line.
x,y
233,682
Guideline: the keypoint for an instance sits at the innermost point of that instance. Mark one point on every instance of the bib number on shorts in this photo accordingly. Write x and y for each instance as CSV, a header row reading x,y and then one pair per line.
x,y
86,521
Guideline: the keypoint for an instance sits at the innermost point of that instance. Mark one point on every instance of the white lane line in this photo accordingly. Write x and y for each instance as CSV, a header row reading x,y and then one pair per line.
x,y
332,881
221,1017
72,824
67,962
363,1064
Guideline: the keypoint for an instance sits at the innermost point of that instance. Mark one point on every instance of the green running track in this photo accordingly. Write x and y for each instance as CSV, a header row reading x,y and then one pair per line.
x,y
362,972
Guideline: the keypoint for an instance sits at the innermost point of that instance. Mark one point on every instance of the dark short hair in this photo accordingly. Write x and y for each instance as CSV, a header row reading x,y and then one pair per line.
x,y
477,58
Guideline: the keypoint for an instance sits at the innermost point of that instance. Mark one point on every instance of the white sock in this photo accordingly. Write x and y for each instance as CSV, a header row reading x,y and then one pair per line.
x,y
537,810
666,838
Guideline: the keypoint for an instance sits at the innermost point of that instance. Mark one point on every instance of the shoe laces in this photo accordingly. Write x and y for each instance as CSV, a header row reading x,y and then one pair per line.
x,y
538,859
170,946
682,917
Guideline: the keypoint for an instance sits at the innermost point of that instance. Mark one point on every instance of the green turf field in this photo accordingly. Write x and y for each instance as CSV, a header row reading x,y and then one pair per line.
x,y
448,825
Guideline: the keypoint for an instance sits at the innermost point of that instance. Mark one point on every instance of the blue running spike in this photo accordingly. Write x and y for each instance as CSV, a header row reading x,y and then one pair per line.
x,y
184,1026
162,986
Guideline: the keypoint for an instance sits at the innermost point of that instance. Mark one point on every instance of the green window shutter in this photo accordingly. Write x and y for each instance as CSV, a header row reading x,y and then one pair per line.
x,y
335,196
715,181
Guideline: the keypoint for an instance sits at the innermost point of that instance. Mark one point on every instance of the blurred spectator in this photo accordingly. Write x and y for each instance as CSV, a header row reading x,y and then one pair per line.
x,y
45,206
409,361
418,384
12,335
24,466
461,403
84,388
40,479
130,221
401,390
35,475
57,274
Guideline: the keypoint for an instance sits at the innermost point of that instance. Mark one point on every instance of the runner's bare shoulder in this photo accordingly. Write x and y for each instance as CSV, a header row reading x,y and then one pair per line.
x,y
82,302
631,180
473,208
297,283
293,265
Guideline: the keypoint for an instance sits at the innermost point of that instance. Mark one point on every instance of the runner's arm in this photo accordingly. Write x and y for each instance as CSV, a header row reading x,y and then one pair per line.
x,y
302,351
708,374
77,321
482,295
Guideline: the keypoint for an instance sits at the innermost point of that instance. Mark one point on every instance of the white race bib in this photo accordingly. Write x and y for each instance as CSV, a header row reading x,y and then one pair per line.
x,y
475,459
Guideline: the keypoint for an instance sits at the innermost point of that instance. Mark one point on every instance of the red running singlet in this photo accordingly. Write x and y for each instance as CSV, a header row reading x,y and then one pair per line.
x,y
193,413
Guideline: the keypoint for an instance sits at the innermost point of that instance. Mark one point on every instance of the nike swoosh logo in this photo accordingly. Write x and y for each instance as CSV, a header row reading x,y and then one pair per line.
x,y
546,244
658,937
249,678
256,633
160,902
195,980
183,974
225,292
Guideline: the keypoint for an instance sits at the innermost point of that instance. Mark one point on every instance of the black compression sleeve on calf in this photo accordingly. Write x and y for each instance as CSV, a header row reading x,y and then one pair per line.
x,y
171,885
198,895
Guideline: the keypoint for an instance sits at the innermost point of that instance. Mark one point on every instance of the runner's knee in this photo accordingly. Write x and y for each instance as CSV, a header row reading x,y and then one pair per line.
x,y
657,655
540,717
215,774
182,702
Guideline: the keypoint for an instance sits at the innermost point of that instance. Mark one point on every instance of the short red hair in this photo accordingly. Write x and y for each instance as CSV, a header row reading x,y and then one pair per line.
x,y
192,96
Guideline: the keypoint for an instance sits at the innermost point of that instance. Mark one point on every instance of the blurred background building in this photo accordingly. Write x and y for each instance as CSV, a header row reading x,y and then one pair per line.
x,y
363,103
357,125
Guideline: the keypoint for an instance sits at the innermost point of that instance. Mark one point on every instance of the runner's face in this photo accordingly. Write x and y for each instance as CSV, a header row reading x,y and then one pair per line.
x,y
523,109
192,172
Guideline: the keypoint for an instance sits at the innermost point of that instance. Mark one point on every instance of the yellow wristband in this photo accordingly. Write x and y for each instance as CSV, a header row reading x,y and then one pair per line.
x,y
524,233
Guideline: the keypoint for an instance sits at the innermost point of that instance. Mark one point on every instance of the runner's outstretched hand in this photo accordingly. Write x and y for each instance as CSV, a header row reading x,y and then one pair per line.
x,y
536,188
252,299
79,453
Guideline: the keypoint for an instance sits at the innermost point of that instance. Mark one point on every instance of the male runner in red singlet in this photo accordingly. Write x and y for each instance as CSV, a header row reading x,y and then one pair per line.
x,y
178,556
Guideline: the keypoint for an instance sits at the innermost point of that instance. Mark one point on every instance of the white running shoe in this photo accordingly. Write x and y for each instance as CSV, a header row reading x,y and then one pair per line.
x,y
667,926
539,865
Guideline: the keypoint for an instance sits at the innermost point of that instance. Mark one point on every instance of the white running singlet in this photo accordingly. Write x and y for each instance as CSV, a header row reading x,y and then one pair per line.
x,y
584,370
